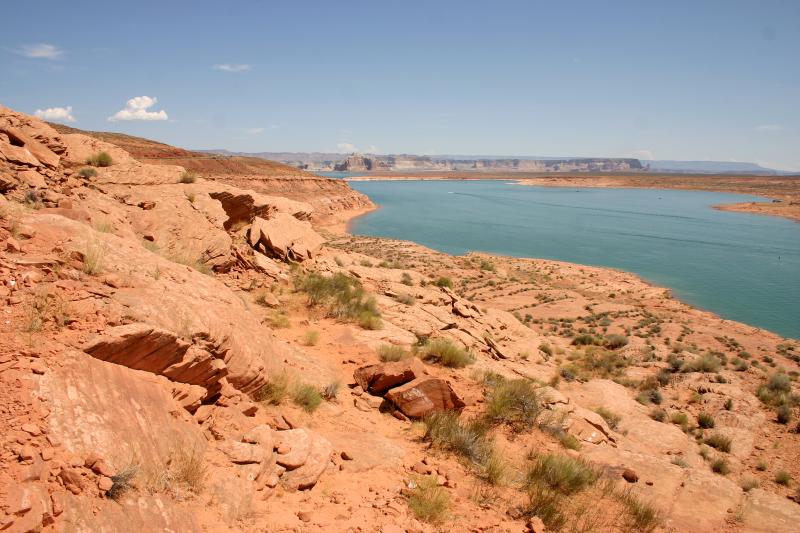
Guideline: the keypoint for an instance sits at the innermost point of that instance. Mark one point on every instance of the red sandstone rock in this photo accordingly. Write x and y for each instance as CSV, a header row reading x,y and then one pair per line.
x,y
423,396
379,378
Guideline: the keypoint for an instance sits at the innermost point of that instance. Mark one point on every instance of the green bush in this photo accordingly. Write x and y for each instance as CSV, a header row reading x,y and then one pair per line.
x,y
445,352
777,391
102,159
515,403
586,340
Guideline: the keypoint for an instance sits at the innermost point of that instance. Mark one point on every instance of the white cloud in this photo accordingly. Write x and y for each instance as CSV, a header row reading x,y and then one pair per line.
x,y
346,147
254,131
765,128
232,67
40,51
642,154
137,109
59,114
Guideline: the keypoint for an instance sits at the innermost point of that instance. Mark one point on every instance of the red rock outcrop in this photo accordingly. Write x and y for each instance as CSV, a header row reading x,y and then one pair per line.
x,y
423,396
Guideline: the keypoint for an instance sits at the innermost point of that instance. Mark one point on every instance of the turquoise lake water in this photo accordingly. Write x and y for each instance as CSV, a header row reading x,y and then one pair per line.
x,y
743,267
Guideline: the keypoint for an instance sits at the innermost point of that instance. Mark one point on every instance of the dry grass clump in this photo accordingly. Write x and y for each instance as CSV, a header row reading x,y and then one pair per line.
x,y
343,296
777,391
444,282
279,320
405,299
275,390
184,470
306,396
705,421
611,418
44,306
311,337
429,501
87,172
515,403
565,493
330,391
93,258
101,159
188,177
719,442
720,466
123,481
782,477
391,352
445,352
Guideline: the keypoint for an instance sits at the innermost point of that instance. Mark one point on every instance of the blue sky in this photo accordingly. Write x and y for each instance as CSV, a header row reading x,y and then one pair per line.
x,y
667,80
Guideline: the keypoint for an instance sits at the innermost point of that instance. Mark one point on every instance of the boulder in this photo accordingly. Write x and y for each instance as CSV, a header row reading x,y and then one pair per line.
x,y
243,453
379,378
308,474
425,395
285,237
294,447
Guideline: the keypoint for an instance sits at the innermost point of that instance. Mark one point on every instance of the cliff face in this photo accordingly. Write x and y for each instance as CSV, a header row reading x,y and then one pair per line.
x,y
361,163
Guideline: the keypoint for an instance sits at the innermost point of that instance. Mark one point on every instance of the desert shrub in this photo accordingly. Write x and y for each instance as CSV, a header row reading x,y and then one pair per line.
x,y
761,465
586,340
783,414
782,477
445,352
748,484
428,501
680,419
777,391
705,421
445,430
649,396
307,397
330,391
122,481
405,299
658,414
493,469
93,257
444,282
184,470
343,296
615,342
703,363
391,352
405,279
641,517
515,403
101,159
547,504
728,405
546,349
720,466
560,473
611,418
311,337
87,172
279,320
275,390
719,442
188,177
569,441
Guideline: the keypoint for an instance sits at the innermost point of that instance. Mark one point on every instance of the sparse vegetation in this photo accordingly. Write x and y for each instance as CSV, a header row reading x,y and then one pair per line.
x,y
307,397
611,418
513,402
719,442
275,390
444,282
429,501
705,421
748,484
101,159
330,391
391,352
343,296
93,257
777,391
405,279
188,177
782,477
720,466
311,337
87,172
122,481
445,352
